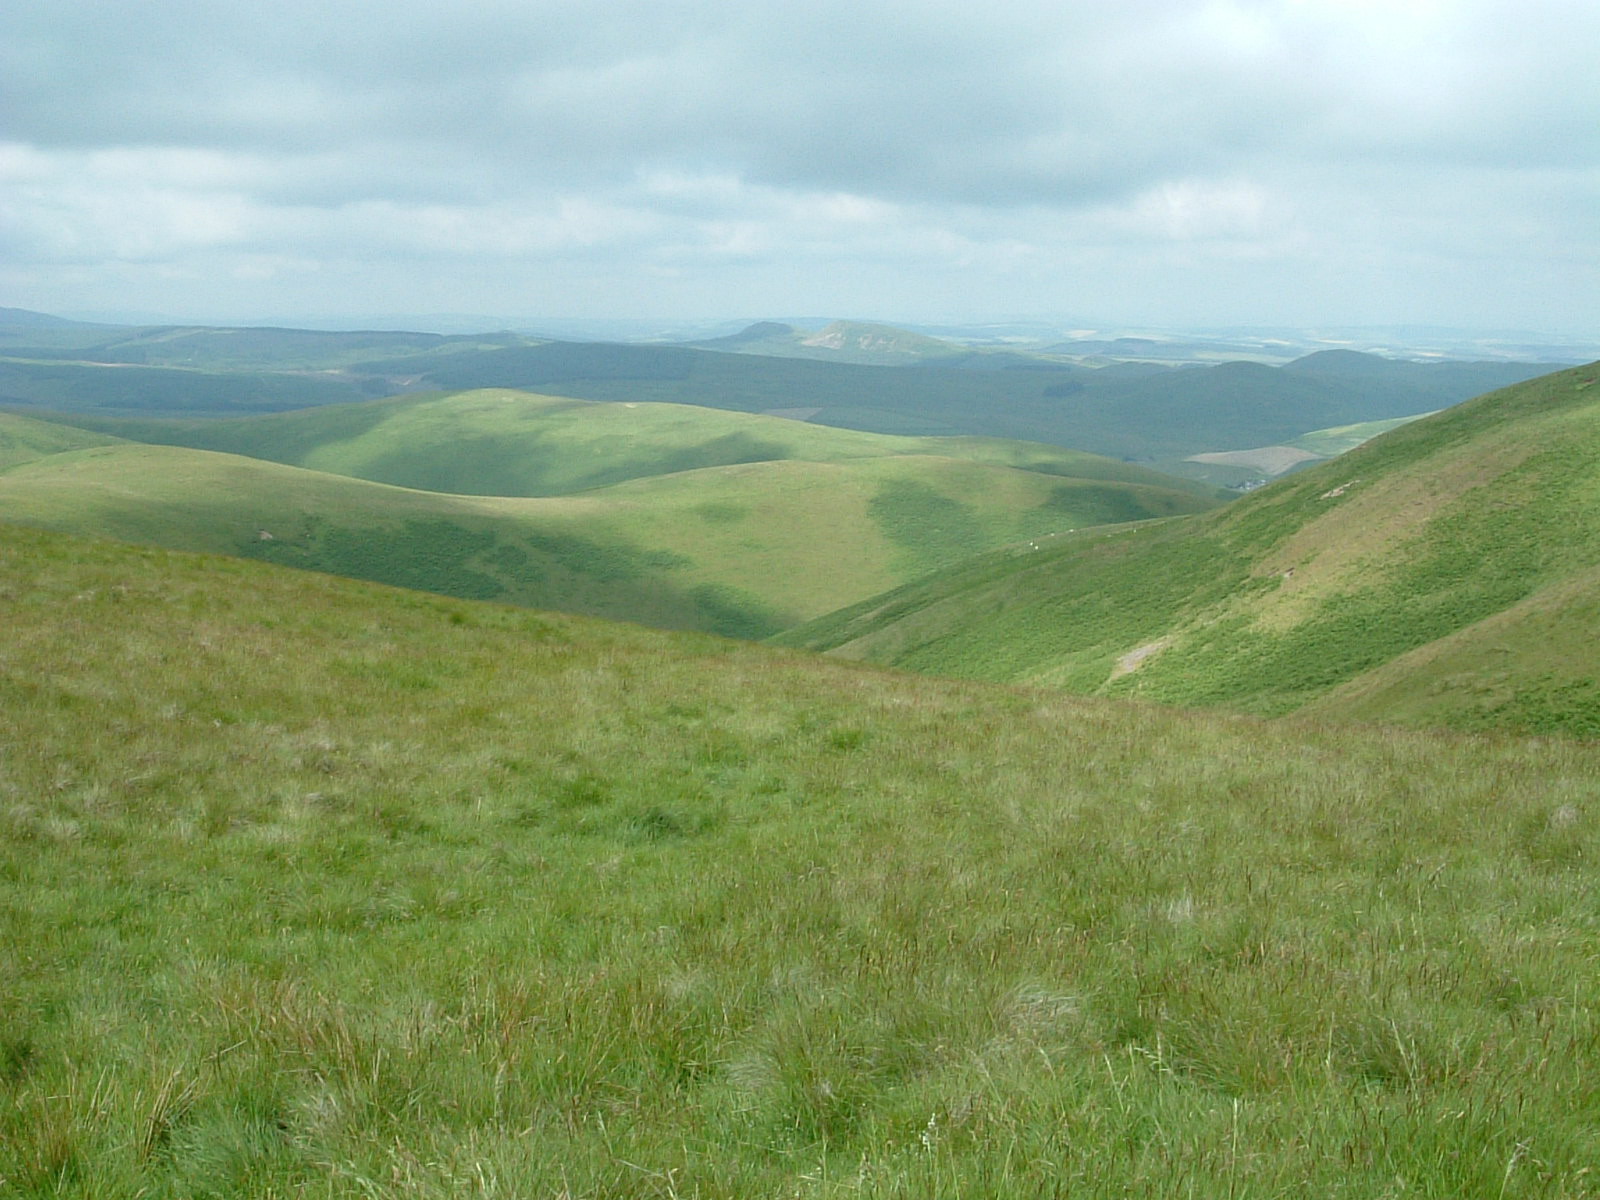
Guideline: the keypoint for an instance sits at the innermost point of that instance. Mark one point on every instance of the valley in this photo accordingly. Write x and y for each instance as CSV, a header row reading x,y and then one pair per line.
x,y
492,790
834,601
1153,411
673,516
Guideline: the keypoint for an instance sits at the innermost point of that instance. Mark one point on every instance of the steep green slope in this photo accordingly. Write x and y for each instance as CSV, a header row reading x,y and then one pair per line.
x,y
313,888
1464,525
507,443
743,550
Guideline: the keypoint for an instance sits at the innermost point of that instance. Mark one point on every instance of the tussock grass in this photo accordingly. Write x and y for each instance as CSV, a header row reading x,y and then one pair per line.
x,y
311,888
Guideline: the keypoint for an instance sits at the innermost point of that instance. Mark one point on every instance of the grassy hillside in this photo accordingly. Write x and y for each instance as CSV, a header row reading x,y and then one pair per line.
x,y
744,550
497,442
23,439
1338,586
308,887
459,546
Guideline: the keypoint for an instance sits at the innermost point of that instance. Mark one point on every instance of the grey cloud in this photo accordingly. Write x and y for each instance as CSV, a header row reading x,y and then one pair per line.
x,y
1032,103
1027,133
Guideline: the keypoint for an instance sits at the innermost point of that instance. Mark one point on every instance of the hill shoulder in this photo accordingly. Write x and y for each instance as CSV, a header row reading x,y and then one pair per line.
x,y
1429,532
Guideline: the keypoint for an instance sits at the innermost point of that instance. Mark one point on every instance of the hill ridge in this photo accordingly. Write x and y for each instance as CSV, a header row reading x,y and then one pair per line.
x,y
707,527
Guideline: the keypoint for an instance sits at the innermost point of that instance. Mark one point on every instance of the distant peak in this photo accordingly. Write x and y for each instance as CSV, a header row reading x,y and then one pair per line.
x,y
1340,360
760,331
22,318
868,336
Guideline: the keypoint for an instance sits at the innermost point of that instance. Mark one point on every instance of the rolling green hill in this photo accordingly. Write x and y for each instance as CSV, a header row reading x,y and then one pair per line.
x,y
860,376
744,549
1436,574
310,887
497,442
1140,413
23,439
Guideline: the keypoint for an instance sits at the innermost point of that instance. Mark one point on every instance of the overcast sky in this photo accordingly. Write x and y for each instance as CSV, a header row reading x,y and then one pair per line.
x,y
1153,162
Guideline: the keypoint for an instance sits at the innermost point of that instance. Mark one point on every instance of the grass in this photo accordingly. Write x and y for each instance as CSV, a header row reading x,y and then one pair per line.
x,y
498,442
1467,531
532,552
23,439
822,518
311,888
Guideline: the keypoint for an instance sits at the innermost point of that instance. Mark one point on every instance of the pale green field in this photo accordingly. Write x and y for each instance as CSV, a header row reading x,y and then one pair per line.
x,y
1330,443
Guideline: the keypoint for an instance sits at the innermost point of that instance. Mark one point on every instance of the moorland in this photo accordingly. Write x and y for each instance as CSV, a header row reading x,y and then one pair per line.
x,y
1216,849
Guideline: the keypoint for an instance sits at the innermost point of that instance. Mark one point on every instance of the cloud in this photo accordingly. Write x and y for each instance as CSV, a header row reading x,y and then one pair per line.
x,y
911,136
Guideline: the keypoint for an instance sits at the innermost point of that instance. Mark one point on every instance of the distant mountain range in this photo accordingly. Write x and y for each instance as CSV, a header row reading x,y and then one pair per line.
x,y
852,375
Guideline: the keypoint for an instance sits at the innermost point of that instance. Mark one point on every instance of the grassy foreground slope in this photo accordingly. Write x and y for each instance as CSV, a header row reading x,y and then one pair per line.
x,y
498,442
745,550
312,888
1338,586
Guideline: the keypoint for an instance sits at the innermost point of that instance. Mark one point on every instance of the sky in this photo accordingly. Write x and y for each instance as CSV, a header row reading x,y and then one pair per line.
x,y
1158,163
